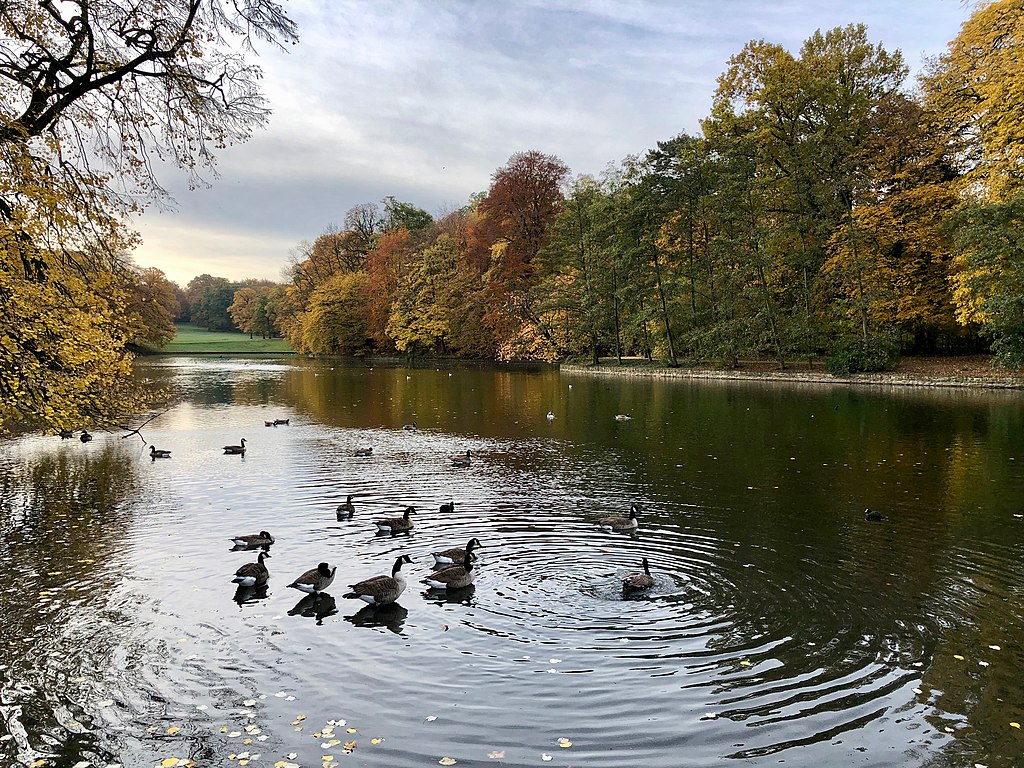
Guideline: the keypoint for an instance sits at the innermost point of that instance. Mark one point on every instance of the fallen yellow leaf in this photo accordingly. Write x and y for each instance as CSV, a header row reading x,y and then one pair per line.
x,y
447,761
958,657
169,762
1015,725
173,730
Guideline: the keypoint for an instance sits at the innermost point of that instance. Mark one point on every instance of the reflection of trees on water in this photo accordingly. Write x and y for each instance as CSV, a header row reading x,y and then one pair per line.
x,y
62,514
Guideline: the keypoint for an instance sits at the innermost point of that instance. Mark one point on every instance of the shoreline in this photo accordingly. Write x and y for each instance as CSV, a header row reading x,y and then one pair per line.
x,y
971,376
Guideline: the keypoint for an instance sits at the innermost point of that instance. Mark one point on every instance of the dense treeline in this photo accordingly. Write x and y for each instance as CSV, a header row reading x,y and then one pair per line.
x,y
823,208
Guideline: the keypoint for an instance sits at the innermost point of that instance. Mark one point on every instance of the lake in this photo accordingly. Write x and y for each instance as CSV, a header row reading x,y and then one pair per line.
x,y
782,627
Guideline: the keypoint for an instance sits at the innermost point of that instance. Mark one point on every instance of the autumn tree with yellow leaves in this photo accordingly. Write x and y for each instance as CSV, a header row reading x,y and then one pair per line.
x,y
90,95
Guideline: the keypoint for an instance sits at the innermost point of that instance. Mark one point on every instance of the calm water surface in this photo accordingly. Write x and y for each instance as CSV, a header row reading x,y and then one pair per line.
x,y
783,628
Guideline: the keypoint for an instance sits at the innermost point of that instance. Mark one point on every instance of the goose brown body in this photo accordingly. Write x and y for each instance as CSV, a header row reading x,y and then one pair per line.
x,y
454,576
253,574
347,509
396,524
381,590
620,524
159,453
261,539
636,582
315,580
455,554
235,449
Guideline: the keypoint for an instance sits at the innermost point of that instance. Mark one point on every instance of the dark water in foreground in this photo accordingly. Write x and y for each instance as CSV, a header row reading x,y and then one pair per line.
x,y
783,628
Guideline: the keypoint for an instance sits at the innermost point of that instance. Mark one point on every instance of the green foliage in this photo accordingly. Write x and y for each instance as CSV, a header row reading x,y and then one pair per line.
x,y
335,323
859,355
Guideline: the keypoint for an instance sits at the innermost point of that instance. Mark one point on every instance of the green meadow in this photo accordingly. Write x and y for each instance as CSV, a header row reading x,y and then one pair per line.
x,y
191,340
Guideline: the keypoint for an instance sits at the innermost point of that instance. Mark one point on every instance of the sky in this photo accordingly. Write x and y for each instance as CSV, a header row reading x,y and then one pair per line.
x,y
425,99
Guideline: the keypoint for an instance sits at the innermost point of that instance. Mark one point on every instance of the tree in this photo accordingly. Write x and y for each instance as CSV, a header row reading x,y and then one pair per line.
x,y
335,322
152,307
976,91
91,94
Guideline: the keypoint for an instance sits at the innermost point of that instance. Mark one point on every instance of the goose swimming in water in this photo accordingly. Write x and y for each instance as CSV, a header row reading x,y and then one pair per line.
x,y
158,453
461,461
637,582
452,577
396,524
551,415
410,427
447,509
873,515
455,554
235,449
85,437
315,580
253,574
261,539
381,590
347,509
620,524
364,451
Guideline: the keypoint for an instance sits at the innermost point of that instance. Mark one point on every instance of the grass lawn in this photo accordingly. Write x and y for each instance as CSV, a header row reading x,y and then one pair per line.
x,y
191,339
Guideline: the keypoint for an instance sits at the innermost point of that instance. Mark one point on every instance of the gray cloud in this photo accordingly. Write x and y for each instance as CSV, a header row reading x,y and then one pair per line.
x,y
424,99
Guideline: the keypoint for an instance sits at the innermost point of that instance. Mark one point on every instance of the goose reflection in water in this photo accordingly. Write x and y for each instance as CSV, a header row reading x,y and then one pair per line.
x,y
391,617
250,595
318,605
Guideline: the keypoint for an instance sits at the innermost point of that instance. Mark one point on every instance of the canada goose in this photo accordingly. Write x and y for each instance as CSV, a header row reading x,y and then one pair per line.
x,y
623,417
410,427
261,539
364,451
620,524
396,524
347,509
66,434
281,421
268,424
447,509
381,590
85,437
315,580
461,461
159,453
452,577
635,582
551,415
873,515
455,554
235,449
253,574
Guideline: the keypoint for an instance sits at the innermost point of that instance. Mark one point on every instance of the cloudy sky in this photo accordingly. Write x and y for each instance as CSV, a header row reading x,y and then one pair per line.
x,y
424,99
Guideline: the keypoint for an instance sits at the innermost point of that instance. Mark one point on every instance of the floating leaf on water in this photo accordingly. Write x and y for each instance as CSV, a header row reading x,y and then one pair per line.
x,y
947,729
243,762
170,762
291,755
982,663
995,648
709,716
289,698
264,737
285,764
173,730
82,764
234,734
105,703
564,743
918,691
376,741
958,657
447,761
744,663
249,703
350,730
202,707
430,718
349,745
247,741
281,694
545,756
224,729
554,661
1015,725
496,755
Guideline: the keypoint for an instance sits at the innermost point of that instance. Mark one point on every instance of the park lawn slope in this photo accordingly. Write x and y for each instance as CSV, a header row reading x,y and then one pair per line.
x,y
192,340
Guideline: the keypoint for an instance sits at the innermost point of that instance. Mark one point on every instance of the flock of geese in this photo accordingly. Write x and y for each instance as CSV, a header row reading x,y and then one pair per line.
x,y
453,568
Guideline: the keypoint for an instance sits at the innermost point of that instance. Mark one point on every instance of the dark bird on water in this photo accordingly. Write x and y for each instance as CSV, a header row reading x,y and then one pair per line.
x,y
873,515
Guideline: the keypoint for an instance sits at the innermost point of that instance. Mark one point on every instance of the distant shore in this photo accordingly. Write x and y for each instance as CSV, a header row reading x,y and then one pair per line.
x,y
970,372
